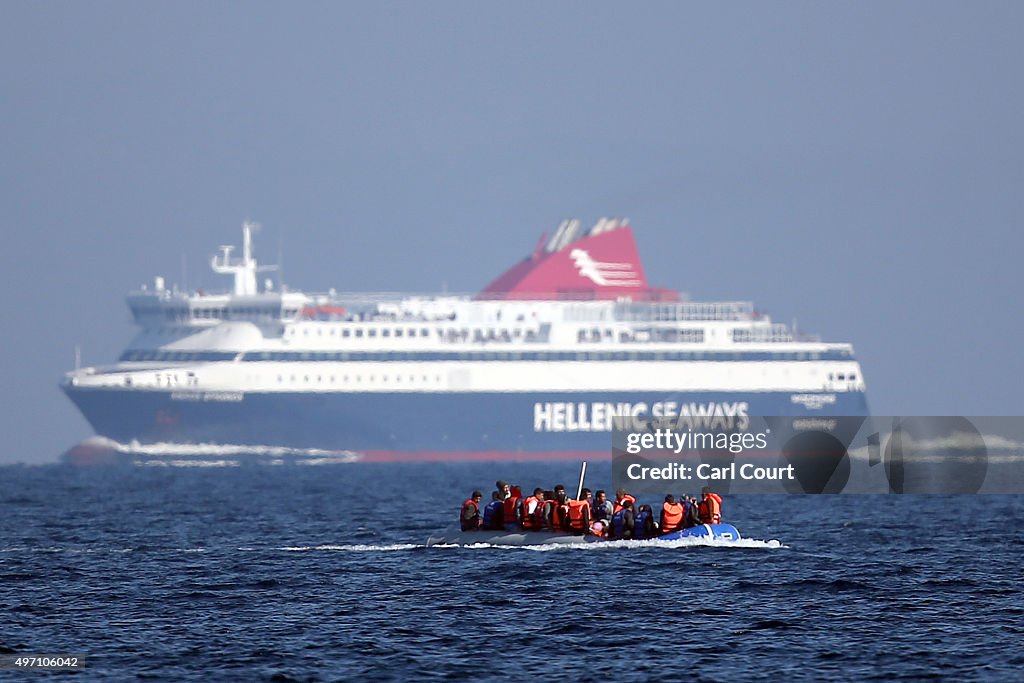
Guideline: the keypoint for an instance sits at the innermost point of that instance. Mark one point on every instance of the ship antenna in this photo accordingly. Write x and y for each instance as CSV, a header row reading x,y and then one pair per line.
x,y
247,229
244,269
280,260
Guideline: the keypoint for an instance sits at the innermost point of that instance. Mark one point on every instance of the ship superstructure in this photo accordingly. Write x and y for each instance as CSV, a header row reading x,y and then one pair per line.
x,y
535,366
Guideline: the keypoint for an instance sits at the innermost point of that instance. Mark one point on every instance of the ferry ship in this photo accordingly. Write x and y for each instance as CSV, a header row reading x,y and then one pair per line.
x,y
535,366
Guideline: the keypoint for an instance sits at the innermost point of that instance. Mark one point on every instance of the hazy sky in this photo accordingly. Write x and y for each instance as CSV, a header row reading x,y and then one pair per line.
x,y
856,166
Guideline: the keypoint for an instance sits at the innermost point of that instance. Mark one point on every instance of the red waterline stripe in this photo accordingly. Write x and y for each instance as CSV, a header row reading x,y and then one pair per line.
x,y
481,456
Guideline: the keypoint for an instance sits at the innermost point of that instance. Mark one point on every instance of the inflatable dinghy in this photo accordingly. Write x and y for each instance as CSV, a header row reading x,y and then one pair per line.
x,y
453,536
718,532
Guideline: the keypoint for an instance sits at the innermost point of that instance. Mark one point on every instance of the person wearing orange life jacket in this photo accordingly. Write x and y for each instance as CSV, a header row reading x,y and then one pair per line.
x,y
547,511
579,516
710,507
512,512
560,512
593,525
469,518
620,496
533,511
671,515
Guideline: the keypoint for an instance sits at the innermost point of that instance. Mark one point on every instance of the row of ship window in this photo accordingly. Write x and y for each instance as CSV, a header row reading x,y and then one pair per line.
x,y
842,377
370,331
184,314
664,312
412,379
300,356
655,334
688,335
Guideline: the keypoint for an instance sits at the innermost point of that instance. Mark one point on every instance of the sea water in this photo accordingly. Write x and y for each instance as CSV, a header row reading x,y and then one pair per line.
x,y
320,573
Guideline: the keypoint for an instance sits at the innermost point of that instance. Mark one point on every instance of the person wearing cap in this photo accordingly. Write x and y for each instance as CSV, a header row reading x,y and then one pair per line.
x,y
503,488
469,518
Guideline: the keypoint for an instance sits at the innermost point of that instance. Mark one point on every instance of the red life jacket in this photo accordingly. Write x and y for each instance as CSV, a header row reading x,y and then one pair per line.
x,y
476,515
710,509
618,503
560,516
672,517
513,505
532,521
579,515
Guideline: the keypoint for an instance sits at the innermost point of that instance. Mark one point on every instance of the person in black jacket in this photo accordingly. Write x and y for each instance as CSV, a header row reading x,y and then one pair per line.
x,y
691,515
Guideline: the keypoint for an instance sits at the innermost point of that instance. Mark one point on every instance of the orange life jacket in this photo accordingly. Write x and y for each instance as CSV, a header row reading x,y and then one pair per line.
x,y
579,515
512,503
672,517
560,516
532,520
618,503
710,509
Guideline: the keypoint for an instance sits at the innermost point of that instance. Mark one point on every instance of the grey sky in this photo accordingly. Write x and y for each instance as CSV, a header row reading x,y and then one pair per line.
x,y
857,166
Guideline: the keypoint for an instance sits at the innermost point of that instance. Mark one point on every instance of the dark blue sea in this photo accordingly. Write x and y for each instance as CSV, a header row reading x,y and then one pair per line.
x,y
320,573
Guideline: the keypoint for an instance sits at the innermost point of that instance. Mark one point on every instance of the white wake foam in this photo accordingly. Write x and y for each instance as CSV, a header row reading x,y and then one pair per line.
x,y
745,543
188,454
356,548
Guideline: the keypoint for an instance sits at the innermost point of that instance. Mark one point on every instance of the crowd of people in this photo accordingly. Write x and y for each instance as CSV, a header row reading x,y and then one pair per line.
x,y
553,511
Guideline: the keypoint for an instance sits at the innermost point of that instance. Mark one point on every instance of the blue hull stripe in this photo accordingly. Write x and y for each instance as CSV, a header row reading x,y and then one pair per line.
x,y
405,421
